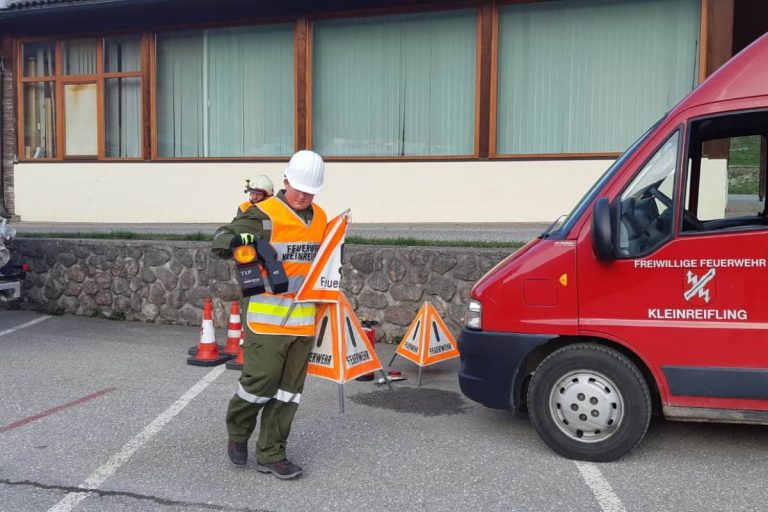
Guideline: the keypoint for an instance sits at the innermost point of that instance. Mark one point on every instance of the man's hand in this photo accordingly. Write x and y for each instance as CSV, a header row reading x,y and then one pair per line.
x,y
242,239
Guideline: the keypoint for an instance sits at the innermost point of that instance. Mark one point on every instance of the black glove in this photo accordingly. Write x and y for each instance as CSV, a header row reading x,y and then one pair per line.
x,y
242,239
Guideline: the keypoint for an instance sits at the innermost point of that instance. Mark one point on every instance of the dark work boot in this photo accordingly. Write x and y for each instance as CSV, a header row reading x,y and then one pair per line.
x,y
282,469
238,453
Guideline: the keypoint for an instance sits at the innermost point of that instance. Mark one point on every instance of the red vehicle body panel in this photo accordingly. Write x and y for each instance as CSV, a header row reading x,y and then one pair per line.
x,y
558,288
528,275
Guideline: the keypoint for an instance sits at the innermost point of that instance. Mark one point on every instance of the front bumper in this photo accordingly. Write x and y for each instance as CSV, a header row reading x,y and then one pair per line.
x,y
491,364
10,290
11,276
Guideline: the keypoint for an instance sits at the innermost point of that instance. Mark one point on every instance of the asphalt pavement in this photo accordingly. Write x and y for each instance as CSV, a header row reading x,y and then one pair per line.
x,y
101,415
486,232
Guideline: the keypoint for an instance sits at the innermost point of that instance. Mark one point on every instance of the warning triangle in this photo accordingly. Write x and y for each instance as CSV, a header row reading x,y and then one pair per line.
x,y
325,357
427,341
359,356
441,345
409,347
341,351
323,281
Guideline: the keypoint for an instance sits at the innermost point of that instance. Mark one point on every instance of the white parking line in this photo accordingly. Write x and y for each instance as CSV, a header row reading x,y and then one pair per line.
x,y
602,490
93,482
22,326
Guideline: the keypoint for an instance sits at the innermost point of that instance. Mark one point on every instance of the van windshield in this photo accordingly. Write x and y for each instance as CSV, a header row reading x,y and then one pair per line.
x,y
562,226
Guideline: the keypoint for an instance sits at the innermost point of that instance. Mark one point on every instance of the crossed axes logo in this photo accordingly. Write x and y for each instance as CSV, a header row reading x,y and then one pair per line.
x,y
698,287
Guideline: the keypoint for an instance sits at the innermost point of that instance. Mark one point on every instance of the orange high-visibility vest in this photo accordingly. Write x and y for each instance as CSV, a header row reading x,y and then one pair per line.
x,y
244,206
296,244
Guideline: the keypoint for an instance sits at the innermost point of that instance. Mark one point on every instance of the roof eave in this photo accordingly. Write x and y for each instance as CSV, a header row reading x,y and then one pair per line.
x,y
55,8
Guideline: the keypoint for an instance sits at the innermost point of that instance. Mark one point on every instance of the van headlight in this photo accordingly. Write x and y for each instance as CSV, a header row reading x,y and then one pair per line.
x,y
473,318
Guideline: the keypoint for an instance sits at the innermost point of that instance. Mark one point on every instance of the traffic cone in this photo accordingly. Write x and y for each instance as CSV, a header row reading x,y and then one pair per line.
x,y
234,331
237,362
207,350
193,349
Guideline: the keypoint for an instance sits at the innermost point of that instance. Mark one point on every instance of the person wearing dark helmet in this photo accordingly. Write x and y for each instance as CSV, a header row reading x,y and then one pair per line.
x,y
275,353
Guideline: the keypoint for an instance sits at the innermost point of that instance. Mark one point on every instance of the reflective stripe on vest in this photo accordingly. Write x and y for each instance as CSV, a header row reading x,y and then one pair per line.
x,y
296,244
273,308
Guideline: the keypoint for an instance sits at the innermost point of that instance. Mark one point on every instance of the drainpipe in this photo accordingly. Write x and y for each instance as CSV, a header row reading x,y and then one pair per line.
x,y
3,209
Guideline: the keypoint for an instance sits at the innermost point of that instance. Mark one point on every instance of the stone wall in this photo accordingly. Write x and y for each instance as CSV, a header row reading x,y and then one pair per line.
x,y
166,282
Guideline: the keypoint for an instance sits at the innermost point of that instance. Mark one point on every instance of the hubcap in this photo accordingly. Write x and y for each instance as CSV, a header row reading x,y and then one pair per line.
x,y
587,406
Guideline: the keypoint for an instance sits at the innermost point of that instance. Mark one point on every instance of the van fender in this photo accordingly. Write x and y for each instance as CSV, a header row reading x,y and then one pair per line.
x,y
654,379
652,373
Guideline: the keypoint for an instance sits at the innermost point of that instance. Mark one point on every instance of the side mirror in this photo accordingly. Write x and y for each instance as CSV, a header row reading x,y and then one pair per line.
x,y
602,239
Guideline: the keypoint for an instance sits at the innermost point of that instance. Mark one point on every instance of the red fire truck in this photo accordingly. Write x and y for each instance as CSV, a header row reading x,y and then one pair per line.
x,y
651,295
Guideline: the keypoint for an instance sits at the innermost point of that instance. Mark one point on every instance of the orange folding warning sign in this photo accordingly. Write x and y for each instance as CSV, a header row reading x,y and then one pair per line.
x,y
341,350
427,340
323,281
324,359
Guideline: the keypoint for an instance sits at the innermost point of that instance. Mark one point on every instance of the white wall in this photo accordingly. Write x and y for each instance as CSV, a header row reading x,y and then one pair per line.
x,y
713,189
498,191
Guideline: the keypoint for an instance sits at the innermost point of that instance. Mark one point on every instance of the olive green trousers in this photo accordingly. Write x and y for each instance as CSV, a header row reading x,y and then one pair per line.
x,y
274,370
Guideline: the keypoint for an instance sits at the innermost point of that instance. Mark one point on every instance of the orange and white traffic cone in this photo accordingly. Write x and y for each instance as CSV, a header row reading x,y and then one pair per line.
x,y
207,350
237,362
192,351
234,331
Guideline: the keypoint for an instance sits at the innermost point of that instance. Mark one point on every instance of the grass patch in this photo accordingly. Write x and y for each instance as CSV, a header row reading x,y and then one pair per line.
x,y
744,180
123,235
744,151
204,237
744,165
358,240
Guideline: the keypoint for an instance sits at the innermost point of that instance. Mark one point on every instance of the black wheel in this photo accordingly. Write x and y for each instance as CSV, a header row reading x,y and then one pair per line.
x,y
589,402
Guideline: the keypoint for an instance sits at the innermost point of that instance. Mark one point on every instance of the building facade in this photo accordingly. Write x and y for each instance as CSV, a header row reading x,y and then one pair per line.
x,y
483,111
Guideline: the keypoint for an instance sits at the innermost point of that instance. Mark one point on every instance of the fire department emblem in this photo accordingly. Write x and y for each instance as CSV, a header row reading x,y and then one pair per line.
x,y
699,286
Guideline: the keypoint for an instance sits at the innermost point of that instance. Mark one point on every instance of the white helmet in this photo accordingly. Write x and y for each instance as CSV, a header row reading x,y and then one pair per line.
x,y
305,172
260,182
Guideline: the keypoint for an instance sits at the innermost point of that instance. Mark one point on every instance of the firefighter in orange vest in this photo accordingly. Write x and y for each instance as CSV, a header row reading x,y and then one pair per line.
x,y
258,189
275,354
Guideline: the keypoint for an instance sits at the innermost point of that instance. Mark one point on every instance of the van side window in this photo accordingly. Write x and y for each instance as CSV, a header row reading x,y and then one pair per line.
x,y
646,206
725,182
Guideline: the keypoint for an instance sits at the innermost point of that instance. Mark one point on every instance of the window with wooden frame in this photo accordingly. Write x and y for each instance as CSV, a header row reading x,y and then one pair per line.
x,y
585,77
225,92
400,85
81,98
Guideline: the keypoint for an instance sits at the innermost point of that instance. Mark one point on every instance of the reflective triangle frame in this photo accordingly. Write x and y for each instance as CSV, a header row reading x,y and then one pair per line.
x,y
427,340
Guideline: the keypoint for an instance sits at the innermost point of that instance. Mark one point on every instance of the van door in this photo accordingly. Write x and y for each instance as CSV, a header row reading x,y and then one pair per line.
x,y
686,289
